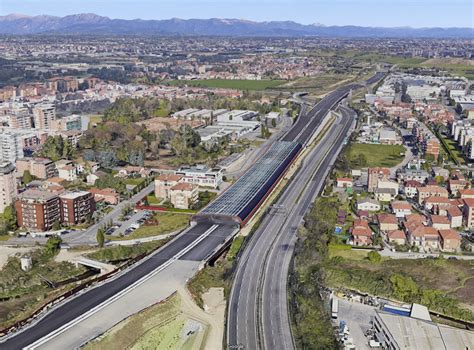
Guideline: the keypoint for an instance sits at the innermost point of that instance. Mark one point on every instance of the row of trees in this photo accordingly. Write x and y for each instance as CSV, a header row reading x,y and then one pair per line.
x,y
56,148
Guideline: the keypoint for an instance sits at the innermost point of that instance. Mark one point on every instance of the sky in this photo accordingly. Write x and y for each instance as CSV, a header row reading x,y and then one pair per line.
x,y
383,13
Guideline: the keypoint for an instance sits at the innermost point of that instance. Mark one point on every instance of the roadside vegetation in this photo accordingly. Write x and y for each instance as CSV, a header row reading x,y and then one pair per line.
x,y
321,261
216,276
21,292
120,254
439,284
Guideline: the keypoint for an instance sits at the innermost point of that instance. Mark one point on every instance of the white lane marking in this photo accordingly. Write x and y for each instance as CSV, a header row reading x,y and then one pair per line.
x,y
120,294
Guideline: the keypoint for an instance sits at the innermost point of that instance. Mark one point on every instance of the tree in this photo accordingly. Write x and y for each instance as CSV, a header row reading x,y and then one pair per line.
x,y
374,257
100,237
9,216
52,245
27,177
274,124
404,288
56,225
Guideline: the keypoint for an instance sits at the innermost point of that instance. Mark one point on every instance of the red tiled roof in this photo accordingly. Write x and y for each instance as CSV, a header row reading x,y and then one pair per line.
x,y
400,205
387,219
438,219
423,231
395,234
169,177
469,202
449,234
362,231
183,186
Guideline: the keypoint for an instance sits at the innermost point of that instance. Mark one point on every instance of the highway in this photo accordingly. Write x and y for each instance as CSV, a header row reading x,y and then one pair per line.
x,y
196,243
201,238
257,313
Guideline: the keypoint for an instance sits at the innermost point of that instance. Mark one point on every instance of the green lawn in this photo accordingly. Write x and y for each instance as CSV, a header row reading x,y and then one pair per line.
x,y
238,84
375,155
167,222
152,200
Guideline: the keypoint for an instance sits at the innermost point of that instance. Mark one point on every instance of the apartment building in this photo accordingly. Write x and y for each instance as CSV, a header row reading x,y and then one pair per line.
x,y
8,188
11,147
42,168
468,213
37,210
21,120
183,195
163,184
76,207
201,175
44,115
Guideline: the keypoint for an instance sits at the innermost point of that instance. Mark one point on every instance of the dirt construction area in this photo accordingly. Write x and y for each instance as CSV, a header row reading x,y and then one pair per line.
x,y
175,323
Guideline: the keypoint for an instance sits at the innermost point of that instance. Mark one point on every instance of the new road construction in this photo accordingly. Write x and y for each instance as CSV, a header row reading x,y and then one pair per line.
x,y
214,227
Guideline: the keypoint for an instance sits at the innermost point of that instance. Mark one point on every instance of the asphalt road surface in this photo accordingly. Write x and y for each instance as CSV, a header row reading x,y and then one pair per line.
x,y
78,305
258,311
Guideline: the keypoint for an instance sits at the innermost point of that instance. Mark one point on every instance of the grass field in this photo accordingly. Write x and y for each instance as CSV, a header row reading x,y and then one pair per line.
x,y
342,251
318,84
167,222
375,155
238,84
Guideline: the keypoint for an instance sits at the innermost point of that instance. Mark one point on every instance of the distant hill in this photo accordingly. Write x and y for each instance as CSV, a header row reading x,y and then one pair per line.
x,y
94,24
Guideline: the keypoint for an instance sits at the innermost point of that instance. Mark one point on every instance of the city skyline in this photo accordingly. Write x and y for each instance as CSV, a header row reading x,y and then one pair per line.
x,y
437,13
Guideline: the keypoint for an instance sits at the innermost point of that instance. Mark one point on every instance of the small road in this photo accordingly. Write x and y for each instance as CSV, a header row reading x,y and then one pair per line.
x,y
258,312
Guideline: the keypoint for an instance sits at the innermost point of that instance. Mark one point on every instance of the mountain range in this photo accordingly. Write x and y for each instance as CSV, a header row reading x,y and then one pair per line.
x,y
93,24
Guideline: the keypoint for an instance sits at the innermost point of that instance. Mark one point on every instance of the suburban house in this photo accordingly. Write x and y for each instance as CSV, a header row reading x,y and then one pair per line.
x,y
455,185
437,203
108,195
440,222
368,204
425,237
401,208
411,188
387,222
344,182
431,191
361,234
67,172
454,215
396,237
450,240
91,178
385,194
466,193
